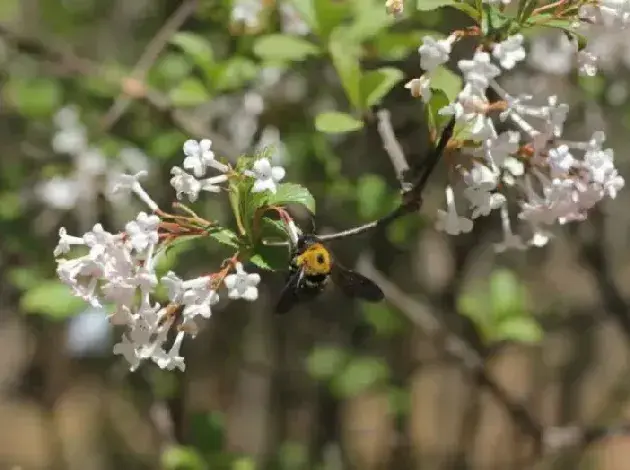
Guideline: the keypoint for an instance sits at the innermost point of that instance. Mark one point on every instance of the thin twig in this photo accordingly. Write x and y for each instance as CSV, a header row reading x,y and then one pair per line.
x,y
148,58
392,146
412,198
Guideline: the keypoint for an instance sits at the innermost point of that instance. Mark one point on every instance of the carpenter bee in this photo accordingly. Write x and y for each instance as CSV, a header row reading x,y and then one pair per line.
x,y
312,266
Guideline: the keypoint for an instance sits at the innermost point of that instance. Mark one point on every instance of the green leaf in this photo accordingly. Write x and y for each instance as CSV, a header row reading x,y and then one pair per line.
x,y
225,236
169,70
493,21
197,48
525,9
190,92
345,58
271,258
235,73
447,81
506,294
468,9
385,320
359,375
335,122
306,11
437,102
290,193
51,299
33,97
371,194
284,48
325,361
330,14
523,329
375,84
165,144
178,457
207,432
370,19
428,5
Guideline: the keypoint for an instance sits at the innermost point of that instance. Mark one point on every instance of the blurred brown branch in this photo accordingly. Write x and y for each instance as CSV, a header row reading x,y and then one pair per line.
x,y
148,58
135,88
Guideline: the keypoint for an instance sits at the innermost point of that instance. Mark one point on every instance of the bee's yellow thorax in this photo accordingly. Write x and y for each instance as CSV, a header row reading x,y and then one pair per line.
x,y
315,260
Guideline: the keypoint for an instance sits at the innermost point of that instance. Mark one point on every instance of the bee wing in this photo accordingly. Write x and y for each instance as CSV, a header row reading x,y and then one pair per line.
x,y
354,284
289,295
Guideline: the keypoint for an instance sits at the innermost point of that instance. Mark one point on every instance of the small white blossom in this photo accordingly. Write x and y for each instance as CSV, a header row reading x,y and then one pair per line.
x,y
199,156
126,183
479,71
143,231
242,285
449,221
587,63
420,88
560,160
434,53
65,241
266,176
185,183
510,51
171,360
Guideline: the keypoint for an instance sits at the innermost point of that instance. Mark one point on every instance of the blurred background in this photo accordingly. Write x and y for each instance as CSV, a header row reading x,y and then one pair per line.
x,y
472,349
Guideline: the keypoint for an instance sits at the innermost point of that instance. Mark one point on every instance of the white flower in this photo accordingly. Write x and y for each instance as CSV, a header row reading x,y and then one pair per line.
x,y
479,71
560,160
266,176
198,297
434,53
65,241
126,183
449,221
59,192
510,51
242,285
143,231
510,240
171,360
420,88
187,184
127,349
199,157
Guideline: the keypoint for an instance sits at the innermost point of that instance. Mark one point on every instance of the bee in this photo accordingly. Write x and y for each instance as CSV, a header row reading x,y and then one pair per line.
x,y
312,266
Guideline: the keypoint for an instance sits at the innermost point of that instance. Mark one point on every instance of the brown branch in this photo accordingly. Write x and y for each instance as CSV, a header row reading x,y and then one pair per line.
x,y
76,65
186,9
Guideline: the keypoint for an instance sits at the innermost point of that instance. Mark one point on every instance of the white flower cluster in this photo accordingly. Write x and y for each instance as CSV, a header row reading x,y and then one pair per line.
x,y
552,182
119,269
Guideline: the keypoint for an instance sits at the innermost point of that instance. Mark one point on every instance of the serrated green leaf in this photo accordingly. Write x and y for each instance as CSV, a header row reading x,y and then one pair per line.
x,y
196,47
359,375
345,58
290,193
51,299
284,48
325,361
447,81
33,97
523,329
468,9
336,122
178,457
375,84
225,236
190,92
